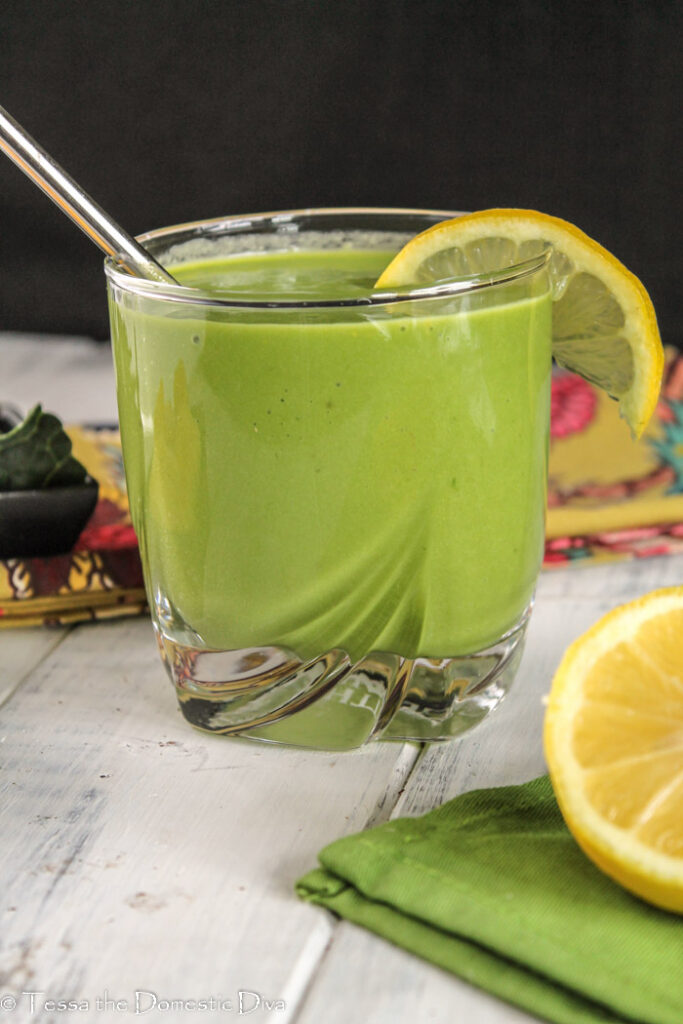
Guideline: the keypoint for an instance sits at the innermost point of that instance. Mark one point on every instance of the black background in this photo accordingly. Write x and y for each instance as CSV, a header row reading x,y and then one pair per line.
x,y
175,110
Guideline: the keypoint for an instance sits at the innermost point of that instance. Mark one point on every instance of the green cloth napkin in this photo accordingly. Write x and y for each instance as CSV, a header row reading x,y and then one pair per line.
x,y
492,887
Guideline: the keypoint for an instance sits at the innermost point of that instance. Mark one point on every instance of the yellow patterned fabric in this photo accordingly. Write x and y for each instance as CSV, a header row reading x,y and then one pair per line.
x,y
610,496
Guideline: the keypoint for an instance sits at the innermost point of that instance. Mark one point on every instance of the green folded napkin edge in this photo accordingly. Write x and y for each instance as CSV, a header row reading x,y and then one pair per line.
x,y
492,887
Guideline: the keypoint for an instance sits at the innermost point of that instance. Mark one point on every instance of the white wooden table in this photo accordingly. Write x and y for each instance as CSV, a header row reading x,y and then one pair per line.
x,y
140,856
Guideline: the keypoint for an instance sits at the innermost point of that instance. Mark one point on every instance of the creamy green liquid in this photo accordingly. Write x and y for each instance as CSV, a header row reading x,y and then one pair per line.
x,y
374,483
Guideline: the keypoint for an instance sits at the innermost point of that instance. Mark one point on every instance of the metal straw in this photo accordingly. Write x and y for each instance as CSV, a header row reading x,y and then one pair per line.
x,y
46,173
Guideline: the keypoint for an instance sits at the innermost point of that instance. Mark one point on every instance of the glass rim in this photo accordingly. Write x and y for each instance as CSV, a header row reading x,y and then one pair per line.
x,y
116,272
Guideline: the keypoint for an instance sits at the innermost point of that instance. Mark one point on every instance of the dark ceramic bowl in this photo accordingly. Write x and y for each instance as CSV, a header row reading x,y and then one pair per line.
x,y
34,524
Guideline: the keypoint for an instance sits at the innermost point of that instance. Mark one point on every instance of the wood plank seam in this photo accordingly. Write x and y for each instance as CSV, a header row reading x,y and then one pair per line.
x,y
303,976
13,688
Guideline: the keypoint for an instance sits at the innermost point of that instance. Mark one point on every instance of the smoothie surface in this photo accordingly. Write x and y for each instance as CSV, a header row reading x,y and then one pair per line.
x,y
333,274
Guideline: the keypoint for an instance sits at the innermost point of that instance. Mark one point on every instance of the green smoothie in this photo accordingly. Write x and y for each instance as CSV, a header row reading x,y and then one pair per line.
x,y
355,478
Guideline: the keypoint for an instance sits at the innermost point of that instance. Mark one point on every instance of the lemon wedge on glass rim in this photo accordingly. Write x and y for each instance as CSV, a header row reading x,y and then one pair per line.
x,y
613,739
604,323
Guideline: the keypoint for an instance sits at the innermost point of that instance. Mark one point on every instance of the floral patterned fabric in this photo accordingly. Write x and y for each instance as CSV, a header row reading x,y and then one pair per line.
x,y
609,497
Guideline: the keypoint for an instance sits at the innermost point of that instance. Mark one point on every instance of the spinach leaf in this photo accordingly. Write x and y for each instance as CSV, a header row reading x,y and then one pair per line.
x,y
37,454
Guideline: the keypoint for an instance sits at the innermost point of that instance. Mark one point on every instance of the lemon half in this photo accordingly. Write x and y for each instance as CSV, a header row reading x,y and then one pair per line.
x,y
604,323
614,745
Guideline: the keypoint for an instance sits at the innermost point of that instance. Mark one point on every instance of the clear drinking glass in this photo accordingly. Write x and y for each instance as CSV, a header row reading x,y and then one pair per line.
x,y
339,500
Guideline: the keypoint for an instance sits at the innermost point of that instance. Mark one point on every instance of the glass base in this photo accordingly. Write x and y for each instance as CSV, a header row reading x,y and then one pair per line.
x,y
330,703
